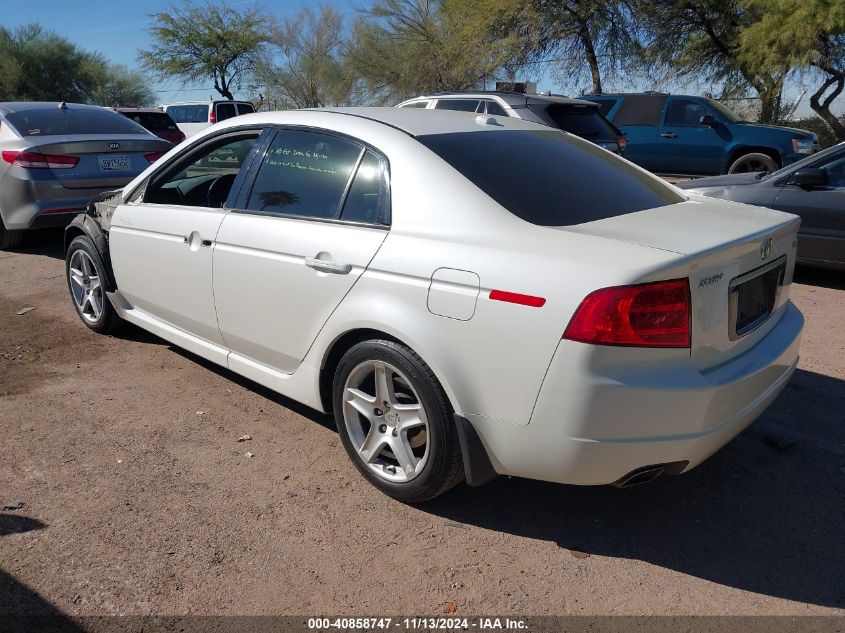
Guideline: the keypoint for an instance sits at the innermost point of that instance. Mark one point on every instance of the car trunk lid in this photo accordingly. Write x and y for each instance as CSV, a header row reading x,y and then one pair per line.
x,y
740,261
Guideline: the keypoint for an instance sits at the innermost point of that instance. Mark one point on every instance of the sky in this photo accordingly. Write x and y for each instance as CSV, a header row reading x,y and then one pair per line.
x,y
118,30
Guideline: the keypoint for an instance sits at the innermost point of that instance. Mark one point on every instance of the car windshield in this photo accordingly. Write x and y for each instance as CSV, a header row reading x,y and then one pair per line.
x,y
58,121
725,111
549,178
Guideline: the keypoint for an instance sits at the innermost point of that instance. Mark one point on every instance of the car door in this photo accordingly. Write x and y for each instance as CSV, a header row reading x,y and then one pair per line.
x,y
822,211
304,228
161,245
686,145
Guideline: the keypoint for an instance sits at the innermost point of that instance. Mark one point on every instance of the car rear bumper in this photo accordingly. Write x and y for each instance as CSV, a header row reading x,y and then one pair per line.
x,y
29,204
589,427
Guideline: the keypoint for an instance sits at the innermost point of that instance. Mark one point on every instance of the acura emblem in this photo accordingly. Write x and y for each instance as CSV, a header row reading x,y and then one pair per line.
x,y
114,145
765,249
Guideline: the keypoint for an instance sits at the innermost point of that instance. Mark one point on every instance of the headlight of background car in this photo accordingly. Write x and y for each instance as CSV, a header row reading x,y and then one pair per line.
x,y
802,145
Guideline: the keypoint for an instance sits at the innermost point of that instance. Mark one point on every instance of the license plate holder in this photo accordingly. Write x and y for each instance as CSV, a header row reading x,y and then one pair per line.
x,y
114,162
753,297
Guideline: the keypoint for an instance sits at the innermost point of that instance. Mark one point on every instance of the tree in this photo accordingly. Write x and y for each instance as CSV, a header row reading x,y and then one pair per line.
x,y
37,65
406,47
701,38
201,42
303,65
808,34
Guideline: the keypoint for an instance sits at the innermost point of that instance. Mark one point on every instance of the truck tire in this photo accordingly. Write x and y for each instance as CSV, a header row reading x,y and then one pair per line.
x,y
751,162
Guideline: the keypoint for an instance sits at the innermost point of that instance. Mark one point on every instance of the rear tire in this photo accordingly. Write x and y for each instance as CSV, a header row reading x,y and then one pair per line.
x,y
404,443
755,161
9,239
87,281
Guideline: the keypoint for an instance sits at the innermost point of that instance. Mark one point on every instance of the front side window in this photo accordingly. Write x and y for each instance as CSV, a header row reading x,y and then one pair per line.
x,y
305,174
549,178
461,105
835,169
684,113
205,178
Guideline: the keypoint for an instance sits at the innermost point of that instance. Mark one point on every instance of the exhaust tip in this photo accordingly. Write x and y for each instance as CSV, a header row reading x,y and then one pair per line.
x,y
647,474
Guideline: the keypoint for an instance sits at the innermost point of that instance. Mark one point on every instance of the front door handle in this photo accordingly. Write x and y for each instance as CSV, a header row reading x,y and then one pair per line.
x,y
668,135
326,266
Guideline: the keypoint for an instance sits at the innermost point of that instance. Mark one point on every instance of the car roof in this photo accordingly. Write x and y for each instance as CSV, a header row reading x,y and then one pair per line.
x,y
8,107
141,110
513,99
204,102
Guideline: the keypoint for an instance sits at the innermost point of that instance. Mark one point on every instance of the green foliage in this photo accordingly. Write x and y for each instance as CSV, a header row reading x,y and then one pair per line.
x,y
402,48
200,42
37,65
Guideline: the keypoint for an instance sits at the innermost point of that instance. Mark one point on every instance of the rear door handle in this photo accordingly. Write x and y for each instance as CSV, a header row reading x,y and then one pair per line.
x,y
668,135
326,266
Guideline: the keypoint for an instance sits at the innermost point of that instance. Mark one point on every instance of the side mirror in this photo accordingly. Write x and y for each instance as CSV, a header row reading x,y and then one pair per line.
x,y
708,119
809,177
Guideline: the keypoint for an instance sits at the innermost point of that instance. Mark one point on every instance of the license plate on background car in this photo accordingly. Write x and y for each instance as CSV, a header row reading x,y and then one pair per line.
x,y
753,297
118,162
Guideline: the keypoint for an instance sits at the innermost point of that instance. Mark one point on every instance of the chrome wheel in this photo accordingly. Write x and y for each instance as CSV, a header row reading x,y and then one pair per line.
x,y
85,286
386,421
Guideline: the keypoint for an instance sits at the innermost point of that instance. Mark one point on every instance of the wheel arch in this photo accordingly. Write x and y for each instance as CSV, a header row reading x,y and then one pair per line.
x,y
741,150
84,224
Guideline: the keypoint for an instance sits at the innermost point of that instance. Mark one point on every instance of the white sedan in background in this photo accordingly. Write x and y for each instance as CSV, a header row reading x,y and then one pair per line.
x,y
469,295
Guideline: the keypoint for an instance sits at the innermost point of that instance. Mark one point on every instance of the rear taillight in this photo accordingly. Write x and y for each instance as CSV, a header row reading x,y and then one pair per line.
x,y
646,315
622,140
154,156
212,117
36,160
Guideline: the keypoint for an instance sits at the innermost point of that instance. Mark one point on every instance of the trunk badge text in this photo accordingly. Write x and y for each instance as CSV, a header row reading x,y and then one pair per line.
x,y
114,145
766,249
711,279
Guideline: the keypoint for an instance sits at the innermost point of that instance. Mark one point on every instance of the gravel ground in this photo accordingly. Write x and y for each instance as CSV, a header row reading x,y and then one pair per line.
x,y
140,500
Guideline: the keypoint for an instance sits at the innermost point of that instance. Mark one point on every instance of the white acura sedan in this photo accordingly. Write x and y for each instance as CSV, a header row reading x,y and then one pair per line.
x,y
468,295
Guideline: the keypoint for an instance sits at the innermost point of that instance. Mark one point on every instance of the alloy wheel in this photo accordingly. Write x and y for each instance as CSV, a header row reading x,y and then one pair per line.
x,y
85,286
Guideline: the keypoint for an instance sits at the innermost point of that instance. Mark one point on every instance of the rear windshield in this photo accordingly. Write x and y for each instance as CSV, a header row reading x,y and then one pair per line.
x,y
158,121
188,113
585,121
70,121
548,178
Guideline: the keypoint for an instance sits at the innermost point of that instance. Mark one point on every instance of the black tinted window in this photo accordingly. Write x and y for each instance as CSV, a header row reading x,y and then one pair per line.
x,y
189,113
71,121
245,108
640,110
495,109
605,105
304,173
158,121
367,197
463,105
416,104
226,111
549,178
684,113
584,121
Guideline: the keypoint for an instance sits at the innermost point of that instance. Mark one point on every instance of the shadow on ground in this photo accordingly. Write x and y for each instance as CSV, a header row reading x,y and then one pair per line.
x,y
762,515
833,279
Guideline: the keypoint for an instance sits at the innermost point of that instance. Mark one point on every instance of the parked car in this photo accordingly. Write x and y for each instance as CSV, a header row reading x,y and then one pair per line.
x,y
813,188
195,116
156,121
465,294
576,116
687,135
57,156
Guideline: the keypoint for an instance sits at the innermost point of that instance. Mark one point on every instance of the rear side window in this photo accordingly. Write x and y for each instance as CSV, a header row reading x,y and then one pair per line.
x,y
70,121
189,113
245,108
304,174
415,104
640,110
584,121
549,178
495,109
367,198
462,105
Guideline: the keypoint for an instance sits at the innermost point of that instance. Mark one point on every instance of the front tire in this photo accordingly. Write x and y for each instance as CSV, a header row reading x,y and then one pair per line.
x,y
753,162
87,281
395,421
9,239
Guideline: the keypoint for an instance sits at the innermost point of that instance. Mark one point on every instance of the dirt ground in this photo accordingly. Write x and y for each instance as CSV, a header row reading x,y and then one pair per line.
x,y
139,498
